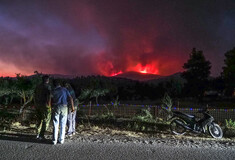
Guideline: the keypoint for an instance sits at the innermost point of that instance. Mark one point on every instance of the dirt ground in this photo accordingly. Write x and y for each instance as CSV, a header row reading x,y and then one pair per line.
x,y
91,130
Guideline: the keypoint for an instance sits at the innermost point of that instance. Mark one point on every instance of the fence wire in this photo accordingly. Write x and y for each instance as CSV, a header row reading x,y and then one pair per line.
x,y
128,111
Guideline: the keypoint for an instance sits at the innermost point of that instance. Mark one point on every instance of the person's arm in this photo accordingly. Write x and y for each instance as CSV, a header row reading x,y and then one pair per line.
x,y
49,97
71,101
49,101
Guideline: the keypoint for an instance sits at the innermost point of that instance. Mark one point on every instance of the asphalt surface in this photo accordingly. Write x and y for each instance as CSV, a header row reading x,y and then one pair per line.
x,y
28,148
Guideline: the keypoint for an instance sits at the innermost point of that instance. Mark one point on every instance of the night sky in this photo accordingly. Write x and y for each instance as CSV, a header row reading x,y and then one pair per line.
x,y
84,37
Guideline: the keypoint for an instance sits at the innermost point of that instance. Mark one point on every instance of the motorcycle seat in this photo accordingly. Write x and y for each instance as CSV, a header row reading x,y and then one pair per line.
x,y
188,115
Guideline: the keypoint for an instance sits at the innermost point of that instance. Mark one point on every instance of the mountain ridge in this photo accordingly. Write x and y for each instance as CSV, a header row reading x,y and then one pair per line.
x,y
144,76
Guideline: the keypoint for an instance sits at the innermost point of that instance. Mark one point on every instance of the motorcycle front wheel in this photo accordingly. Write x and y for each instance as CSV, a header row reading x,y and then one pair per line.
x,y
177,128
215,131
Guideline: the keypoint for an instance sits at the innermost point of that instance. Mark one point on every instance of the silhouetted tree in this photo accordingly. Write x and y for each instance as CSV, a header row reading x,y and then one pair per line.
x,y
197,71
88,94
5,91
217,84
24,88
98,93
228,73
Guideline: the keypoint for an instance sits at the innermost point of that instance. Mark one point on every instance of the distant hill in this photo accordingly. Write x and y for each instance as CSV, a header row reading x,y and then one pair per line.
x,y
62,76
138,76
58,76
150,78
175,76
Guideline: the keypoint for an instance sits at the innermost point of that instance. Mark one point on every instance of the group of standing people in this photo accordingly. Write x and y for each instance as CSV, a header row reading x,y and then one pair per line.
x,y
56,104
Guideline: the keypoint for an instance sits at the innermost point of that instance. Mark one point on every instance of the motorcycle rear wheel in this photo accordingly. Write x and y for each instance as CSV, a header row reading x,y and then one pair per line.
x,y
176,128
215,131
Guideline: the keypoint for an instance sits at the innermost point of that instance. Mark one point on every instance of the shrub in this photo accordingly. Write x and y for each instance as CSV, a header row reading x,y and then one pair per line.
x,y
144,116
116,102
107,116
167,105
230,123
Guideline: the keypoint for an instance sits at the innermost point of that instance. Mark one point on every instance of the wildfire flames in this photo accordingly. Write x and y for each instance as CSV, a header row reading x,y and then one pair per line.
x,y
146,69
114,74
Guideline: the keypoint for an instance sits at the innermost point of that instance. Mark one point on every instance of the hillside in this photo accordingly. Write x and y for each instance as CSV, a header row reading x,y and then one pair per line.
x,y
138,76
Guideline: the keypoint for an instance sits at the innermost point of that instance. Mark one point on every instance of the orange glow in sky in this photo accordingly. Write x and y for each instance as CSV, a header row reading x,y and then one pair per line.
x,y
10,70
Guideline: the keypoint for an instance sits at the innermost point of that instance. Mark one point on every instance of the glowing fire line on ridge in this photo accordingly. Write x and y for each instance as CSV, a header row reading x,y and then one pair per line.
x,y
147,69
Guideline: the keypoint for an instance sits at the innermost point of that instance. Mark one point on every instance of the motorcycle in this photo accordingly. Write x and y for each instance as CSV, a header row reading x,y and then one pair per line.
x,y
180,122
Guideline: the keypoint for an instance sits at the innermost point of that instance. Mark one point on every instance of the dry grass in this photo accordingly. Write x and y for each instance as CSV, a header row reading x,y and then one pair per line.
x,y
89,130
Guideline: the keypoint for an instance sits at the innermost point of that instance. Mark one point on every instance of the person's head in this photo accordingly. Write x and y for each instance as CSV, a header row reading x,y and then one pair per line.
x,y
67,85
56,82
45,79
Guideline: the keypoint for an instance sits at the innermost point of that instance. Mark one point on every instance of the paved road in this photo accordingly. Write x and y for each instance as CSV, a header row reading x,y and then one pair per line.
x,y
27,148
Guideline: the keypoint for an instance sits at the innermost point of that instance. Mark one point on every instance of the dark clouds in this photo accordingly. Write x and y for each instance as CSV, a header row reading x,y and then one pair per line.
x,y
103,36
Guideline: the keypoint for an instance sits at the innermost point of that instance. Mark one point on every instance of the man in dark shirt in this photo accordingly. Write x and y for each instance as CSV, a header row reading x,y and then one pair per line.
x,y
43,106
60,111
